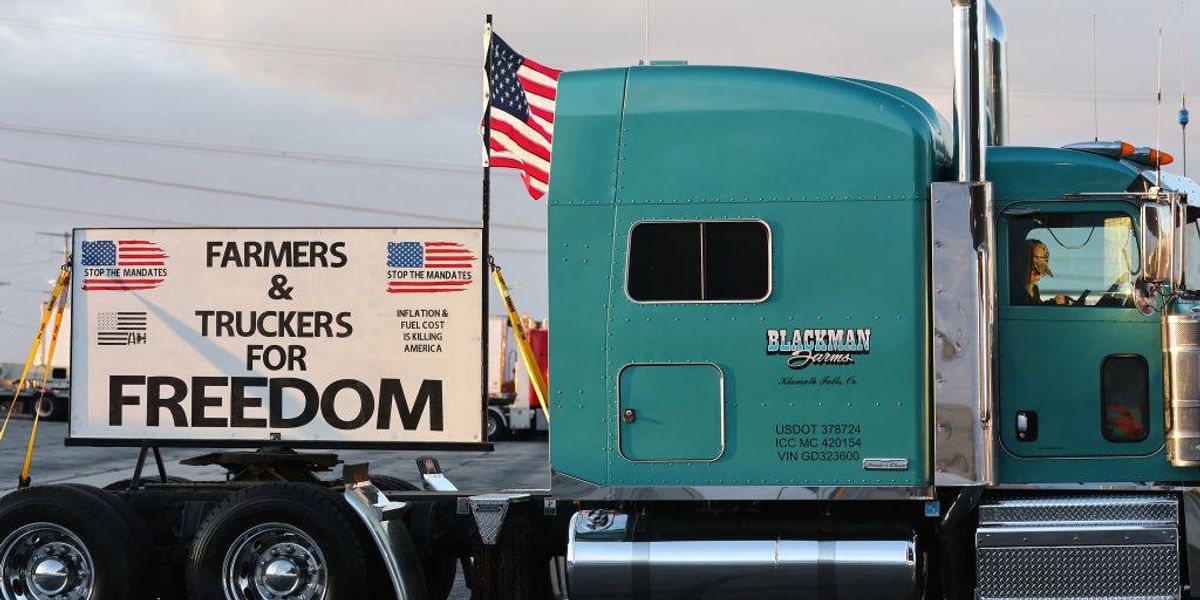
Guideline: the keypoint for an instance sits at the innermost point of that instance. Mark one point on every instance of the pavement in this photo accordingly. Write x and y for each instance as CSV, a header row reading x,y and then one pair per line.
x,y
523,464
517,464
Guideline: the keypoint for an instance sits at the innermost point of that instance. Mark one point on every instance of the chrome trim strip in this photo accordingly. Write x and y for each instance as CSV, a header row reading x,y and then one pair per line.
x,y
964,317
391,537
1074,535
567,488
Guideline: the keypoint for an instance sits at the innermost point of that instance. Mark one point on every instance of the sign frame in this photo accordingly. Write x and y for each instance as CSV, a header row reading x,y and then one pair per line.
x,y
174,442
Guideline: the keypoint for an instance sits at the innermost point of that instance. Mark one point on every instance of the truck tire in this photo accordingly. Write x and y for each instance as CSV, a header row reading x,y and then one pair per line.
x,y
294,540
497,429
52,408
67,542
145,556
122,485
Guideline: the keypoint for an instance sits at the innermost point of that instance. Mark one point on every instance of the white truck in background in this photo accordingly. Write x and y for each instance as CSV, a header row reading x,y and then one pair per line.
x,y
513,409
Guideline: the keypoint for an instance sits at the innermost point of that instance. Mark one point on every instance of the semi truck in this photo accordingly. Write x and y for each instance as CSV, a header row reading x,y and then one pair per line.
x,y
811,340
513,409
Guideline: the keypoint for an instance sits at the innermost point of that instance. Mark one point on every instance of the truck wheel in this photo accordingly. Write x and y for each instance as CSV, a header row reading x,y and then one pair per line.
x,y
66,543
280,540
497,429
122,485
52,408
145,557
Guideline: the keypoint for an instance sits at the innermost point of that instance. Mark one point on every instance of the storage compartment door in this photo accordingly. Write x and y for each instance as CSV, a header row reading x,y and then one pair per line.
x,y
671,412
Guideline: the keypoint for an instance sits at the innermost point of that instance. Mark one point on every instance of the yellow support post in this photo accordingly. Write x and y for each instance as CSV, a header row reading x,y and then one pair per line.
x,y
535,371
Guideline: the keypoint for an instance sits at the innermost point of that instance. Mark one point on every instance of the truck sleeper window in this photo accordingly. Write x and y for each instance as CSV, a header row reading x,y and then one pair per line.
x,y
1072,259
699,261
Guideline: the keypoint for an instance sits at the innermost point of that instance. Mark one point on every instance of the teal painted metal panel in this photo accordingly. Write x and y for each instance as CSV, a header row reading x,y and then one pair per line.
x,y
810,426
678,412
694,134
1024,173
938,126
587,129
1049,361
579,405
734,143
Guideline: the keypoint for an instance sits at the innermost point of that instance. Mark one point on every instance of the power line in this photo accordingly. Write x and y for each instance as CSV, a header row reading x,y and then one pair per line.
x,y
293,49
92,213
261,196
245,151
111,215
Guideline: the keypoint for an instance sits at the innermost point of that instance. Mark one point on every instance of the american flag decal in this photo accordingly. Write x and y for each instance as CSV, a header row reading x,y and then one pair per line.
x,y
431,267
122,265
122,328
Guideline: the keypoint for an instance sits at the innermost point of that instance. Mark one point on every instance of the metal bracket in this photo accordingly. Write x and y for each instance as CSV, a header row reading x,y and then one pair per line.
x,y
382,520
489,511
136,481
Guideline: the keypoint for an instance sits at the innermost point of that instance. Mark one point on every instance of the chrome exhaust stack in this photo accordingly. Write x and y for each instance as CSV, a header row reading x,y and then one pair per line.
x,y
1181,358
997,78
964,273
970,98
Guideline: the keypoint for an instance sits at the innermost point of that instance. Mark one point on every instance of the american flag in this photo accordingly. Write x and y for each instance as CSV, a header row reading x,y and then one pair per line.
x,y
121,328
122,254
426,256
521,97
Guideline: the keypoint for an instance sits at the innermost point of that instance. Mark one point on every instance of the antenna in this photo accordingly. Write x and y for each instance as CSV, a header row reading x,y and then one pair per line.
x,y
1158,103
1095,94
1183,111
647,31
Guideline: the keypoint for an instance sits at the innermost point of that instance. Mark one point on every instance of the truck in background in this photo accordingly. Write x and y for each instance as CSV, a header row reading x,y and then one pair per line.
x,y
513,409
809,341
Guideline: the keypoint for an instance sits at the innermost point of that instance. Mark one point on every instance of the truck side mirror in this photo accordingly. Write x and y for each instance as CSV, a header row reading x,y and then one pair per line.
x,y
1157,236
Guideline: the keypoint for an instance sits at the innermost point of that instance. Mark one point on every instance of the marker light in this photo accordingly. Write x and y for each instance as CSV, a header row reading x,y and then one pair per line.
x,y
1115,149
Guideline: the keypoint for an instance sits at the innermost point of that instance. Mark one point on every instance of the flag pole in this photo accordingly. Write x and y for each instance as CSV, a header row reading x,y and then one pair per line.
x,y
486,215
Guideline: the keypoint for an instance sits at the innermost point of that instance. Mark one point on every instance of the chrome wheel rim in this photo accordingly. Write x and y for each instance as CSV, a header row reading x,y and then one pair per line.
x,y
274,561
492,426
44,407
45,561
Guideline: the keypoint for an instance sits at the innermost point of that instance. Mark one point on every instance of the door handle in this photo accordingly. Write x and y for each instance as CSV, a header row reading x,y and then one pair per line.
x,y
629,415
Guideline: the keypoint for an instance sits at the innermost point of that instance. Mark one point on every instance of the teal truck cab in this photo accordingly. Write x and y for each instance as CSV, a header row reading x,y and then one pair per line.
x,y
812,341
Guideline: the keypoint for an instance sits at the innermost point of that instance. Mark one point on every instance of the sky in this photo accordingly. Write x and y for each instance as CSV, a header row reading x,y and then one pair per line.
x,y
143,113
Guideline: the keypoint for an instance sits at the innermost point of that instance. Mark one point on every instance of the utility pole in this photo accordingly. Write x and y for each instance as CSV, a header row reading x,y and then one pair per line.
x,y
66,242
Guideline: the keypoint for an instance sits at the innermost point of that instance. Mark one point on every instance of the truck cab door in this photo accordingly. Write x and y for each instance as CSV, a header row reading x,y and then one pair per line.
x,y
1077,361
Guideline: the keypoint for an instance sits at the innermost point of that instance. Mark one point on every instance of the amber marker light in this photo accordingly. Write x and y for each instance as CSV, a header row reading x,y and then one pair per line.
x,y
1158,157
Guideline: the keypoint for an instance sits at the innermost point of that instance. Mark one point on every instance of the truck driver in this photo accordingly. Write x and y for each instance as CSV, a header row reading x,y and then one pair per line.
x,y
1039,266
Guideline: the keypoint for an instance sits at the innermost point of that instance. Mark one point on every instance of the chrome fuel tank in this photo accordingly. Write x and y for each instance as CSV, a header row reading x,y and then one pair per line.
x,y
1181,359
608,560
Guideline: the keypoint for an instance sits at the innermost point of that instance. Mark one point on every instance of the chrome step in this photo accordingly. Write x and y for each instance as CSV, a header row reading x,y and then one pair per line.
x,y
1110,547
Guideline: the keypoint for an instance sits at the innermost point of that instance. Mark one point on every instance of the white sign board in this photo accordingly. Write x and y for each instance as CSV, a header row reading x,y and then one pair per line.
x,y
306,337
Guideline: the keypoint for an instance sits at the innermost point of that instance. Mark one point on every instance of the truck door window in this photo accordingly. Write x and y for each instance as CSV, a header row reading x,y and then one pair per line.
x,y
699,261
1072,259
1125,395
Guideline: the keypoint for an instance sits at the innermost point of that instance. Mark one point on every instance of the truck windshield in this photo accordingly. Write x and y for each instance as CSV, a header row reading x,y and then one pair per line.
x,y
1072,259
